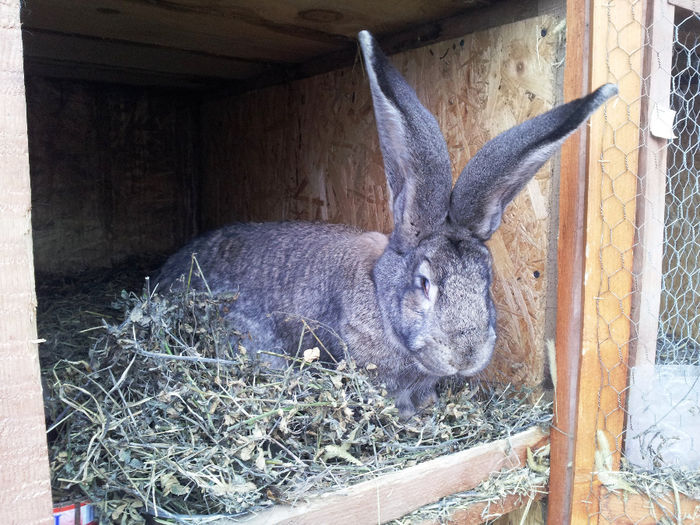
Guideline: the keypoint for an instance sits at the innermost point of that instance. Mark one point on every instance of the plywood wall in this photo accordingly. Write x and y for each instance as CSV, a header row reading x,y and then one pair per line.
x,y
113,172
308,150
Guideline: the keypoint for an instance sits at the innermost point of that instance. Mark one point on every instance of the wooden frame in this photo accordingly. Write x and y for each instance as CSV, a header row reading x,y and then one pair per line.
x,y
608,319
25,491
590,364
570,251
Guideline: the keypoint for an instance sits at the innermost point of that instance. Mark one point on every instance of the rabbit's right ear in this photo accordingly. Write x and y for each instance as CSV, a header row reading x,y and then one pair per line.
x,y
415,154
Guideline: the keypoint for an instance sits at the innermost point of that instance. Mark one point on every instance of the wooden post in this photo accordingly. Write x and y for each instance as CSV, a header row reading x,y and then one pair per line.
x,y
658,57
648,256
25,492
570,254
596,249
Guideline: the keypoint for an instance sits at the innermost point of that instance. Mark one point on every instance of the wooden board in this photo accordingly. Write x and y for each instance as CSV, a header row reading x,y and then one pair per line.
x,y
570,256
237,39
308,150
25,493
613,150
393,495
649,250
513,510
128,156
54,47
640,509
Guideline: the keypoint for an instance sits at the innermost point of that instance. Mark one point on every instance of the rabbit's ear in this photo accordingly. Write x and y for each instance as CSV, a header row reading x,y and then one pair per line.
x,y
415,154
506,163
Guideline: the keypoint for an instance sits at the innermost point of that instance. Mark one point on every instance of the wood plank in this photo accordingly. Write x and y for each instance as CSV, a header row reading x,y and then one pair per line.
x,y
263,30
25,492
640,509
178,33
224,31
610,236
123,154
398,493
511,509
570,258
98,52
51,69
648,257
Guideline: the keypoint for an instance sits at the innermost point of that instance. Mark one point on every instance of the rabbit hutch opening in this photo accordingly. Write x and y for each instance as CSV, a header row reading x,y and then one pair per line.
x,y
151,122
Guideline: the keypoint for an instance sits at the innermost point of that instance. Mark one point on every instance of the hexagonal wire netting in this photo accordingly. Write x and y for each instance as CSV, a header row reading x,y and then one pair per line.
x,y
657,450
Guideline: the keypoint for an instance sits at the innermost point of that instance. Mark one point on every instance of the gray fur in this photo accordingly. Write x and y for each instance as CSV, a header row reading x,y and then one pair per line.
x,y
415,303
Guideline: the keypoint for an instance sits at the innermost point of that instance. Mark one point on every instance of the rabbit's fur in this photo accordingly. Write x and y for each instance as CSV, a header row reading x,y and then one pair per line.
x,y
415,303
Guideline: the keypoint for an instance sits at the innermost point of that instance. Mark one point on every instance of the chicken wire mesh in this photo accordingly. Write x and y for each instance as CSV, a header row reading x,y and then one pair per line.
x,y
648,408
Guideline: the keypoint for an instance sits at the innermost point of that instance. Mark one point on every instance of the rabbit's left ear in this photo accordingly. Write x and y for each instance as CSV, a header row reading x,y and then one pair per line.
x,y
415,155
506,163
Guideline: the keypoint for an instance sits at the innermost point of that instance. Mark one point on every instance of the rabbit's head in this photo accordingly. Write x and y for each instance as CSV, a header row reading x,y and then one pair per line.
x,y
433,279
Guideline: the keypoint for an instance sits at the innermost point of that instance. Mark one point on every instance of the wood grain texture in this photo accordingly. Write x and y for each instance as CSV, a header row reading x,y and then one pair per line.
x,y
127,156
25,493
613,152
392,495
308,150
234,39
63,35
570,258
649,249
513,510
640,509
56,47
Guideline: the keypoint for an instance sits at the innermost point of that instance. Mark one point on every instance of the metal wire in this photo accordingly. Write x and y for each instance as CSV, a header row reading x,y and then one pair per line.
x,y
655,450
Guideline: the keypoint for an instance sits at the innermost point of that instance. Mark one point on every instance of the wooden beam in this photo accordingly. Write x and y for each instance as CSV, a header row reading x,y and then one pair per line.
x,y
393,495
595,254
648,256
482,512
641,509
99,41
570,257
112,75
25,492
613,150
119,54
223,30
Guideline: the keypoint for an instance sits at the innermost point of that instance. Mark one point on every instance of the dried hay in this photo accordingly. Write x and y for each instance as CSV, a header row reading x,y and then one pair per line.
x,y
165,418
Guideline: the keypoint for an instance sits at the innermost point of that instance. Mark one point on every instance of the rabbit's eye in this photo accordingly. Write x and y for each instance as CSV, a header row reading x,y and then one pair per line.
x,y
425,284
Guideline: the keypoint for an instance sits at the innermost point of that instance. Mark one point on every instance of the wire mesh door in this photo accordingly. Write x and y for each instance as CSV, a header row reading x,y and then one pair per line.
x,y
645,235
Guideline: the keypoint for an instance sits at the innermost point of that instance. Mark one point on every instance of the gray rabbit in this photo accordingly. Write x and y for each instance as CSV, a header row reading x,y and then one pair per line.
x,y
415,303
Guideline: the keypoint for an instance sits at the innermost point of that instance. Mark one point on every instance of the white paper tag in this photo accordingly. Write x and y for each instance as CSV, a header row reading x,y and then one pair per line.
x,y
661,123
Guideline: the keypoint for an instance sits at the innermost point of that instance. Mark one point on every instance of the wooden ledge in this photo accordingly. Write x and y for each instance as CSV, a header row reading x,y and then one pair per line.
x,y
393,495
639,509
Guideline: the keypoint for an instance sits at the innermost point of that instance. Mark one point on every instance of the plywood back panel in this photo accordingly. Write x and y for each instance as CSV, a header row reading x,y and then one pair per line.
x,y
309,150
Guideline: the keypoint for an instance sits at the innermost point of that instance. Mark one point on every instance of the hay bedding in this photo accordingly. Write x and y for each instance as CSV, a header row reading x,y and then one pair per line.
x,y
165,418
